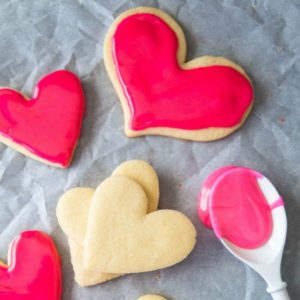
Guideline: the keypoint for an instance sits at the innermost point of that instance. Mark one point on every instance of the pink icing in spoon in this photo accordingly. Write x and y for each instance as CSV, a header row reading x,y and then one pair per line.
x,y
234,205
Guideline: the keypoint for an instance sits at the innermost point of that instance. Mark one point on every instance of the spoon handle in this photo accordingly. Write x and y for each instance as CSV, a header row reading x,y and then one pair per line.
x,y
280,293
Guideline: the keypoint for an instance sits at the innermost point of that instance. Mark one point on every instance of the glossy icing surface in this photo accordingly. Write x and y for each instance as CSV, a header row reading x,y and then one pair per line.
x,y
48,125
205,193
233,204
33,271
162,94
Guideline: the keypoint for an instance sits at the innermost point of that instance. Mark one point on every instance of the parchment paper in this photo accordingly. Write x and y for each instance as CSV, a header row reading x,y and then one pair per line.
x,y
38,37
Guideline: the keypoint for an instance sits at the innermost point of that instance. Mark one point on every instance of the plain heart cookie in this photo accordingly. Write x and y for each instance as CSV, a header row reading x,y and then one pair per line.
x,y
74,205
47,126
121,237
73,209
33,271
204,99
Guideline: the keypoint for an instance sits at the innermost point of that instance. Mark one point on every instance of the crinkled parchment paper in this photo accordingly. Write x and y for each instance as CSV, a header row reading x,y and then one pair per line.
x,y
38,37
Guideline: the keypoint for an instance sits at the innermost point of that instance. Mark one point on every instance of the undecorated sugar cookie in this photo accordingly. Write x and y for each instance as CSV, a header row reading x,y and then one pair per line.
x,y
204,99
119,227
123,208
73,209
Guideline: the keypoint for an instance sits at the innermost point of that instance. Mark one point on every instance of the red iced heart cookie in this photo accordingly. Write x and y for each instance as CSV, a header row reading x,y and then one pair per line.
x,y
33,271
47,126
204,99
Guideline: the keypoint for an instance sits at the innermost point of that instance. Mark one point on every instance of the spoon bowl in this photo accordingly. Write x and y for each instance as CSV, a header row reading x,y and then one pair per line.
x,y
266,258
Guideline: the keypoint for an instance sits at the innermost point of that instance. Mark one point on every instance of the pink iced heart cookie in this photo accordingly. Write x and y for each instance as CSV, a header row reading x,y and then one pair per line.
x,y
203,99
47,126
33,271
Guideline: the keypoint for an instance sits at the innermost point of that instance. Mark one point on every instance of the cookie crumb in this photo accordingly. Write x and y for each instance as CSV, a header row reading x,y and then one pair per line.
x,y
157,276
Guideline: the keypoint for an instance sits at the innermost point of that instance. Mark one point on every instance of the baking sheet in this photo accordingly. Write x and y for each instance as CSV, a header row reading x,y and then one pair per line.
x,y
38,37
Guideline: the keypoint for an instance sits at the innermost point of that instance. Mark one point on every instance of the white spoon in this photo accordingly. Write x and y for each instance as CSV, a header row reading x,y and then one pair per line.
x,y
266,259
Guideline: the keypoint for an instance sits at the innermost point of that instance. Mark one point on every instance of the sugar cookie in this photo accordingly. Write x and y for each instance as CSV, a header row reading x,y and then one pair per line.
x,y
72,213
84,276
122,237
47,126
33,271
204,99
145,176
152,297
134,189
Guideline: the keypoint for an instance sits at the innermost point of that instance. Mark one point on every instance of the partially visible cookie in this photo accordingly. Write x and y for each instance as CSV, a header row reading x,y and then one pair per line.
x,y
143,174
73,206
84,276
72,212
152,297
33,269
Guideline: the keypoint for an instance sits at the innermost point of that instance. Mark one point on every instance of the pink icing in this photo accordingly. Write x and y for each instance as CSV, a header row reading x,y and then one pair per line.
x,y
237,209
160,93
48,125
205,194
34,270
279,202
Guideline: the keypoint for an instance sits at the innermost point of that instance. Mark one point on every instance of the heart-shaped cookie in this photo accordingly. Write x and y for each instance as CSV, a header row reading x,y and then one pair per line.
x,y
47,126
73,209
204,99
122,237
33,271
74,205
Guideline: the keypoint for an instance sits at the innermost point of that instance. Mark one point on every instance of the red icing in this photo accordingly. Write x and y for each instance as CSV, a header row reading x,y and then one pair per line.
x,y
160,93
236,207
34,271
48,125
